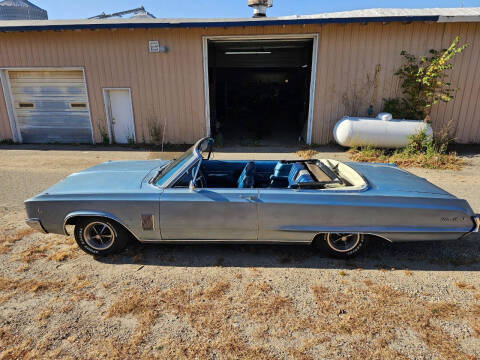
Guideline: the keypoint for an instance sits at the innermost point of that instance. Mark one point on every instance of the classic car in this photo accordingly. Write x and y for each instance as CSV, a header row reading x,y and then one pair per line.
x,y
336,206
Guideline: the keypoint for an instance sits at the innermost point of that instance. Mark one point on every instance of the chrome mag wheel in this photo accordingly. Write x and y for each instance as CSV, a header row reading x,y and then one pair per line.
x,y
342,242
99,235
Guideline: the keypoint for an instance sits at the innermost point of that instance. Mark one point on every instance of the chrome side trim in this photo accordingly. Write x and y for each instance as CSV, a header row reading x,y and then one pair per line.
x,y
36,224
202,242
96,214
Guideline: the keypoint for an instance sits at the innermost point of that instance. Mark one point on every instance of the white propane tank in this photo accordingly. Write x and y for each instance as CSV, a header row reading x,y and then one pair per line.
x,y
382,131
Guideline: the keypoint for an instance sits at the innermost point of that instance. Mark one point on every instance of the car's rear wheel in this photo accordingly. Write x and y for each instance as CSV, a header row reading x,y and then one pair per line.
x,y
99,236
341,245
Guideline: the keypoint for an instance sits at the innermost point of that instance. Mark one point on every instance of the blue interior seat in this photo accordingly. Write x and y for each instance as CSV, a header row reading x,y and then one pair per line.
x,y
299,174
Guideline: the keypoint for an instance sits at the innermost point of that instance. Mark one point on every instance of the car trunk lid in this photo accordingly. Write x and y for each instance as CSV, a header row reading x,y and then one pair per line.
x,y
388,179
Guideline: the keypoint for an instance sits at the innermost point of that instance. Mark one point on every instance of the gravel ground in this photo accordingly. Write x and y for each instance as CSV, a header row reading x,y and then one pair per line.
x,y
415,301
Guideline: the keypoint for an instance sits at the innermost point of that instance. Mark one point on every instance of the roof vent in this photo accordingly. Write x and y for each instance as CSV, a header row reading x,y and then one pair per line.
x,y
260,7
21,10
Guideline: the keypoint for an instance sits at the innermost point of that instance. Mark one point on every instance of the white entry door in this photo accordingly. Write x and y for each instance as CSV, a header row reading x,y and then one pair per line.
x,y
120,114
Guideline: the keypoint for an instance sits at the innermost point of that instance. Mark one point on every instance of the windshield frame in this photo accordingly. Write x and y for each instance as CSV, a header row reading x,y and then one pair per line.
x,y
193,155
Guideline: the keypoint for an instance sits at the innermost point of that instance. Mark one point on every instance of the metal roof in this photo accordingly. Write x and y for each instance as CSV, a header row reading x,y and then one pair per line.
x,y
356,16
19,3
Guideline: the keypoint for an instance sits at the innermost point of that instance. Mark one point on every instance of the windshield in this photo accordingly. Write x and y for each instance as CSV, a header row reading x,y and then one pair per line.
x,y
173,166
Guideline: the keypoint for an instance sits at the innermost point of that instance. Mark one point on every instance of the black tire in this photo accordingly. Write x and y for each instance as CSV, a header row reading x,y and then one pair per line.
x,y
331,244
91,239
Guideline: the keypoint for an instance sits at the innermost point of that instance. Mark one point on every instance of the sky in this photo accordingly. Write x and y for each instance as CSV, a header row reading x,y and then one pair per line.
x,y
69,9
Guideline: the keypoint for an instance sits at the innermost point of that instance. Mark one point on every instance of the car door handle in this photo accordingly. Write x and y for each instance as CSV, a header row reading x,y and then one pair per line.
x,y
248,197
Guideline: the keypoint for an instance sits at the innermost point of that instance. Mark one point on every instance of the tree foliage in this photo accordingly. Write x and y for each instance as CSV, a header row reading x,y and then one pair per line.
x,y
424,82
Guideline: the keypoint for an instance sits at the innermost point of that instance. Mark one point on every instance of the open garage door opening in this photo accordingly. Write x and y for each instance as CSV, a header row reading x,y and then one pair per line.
x,y
260,90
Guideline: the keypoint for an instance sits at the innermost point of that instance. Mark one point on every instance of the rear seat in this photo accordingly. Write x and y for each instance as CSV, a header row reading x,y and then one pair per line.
x,y
299,174
289,175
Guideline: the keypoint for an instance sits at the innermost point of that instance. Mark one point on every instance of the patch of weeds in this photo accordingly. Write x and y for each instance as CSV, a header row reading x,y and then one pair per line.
x,y
422,151
22,268
103,134
34,252
342,273
65,254
464,286
408,272
7,241
44,314
307,152
213,315
15,286
373,315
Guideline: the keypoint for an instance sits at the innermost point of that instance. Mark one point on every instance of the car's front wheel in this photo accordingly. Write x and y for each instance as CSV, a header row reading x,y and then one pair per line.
x,y
341,245
98,236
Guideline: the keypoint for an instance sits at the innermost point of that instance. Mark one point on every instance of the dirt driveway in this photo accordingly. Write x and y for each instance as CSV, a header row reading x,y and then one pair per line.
x,y
415,301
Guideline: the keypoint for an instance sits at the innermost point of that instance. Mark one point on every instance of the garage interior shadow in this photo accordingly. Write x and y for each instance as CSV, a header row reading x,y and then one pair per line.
x,y
459,255
260,90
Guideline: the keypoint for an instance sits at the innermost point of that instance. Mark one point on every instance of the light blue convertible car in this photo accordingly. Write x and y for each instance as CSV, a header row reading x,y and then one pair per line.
x,y
333,205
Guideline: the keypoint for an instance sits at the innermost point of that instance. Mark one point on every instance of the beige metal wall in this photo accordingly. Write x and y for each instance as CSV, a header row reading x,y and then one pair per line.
x,y
355,67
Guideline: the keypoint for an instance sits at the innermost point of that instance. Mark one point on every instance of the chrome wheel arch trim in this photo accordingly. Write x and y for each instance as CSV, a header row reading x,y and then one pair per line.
x,y
95,214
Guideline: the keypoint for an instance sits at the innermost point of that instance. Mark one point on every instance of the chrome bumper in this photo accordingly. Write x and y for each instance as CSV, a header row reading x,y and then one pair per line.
x,y
36,225
476,220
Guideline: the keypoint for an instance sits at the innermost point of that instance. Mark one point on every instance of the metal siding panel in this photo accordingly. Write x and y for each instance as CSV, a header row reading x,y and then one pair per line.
x,y
466,63
471,126
121,59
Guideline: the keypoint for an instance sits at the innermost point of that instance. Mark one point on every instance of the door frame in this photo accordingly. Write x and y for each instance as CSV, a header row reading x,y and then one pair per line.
x,y
107,103
7,93
313,75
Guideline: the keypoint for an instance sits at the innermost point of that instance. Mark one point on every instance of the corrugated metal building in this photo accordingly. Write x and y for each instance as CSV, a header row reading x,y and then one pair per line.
x,y
127,80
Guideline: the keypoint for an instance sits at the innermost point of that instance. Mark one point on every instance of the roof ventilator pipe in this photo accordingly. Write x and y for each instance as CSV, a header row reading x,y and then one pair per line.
x,y
260,7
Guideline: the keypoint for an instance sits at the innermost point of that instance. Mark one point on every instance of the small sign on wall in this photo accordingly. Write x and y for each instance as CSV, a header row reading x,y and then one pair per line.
x,y
154,47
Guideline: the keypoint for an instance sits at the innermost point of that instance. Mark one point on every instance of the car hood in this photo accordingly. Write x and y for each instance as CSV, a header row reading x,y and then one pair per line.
x,y
109,177
388,179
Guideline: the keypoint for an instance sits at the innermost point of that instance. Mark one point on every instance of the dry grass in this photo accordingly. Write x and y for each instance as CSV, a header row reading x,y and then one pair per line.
x,y
33,286
7,240
63,249
62,255
13,287
210,313
44,315
371,316
34,252
307,153
464,286
448,161
363,320
23,268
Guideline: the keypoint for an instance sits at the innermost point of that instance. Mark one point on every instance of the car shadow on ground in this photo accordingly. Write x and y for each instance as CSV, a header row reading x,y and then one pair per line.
x,y
459,255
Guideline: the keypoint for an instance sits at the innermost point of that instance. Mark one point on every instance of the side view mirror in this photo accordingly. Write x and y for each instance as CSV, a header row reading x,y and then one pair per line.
x,y
191,186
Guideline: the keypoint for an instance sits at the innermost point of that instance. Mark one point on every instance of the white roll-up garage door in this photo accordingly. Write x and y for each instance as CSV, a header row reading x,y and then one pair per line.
x,y
51,106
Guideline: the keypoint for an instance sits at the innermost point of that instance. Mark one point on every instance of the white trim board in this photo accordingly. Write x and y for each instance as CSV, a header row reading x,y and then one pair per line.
x,y
313,79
